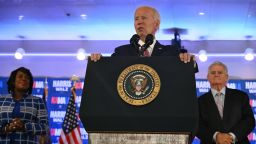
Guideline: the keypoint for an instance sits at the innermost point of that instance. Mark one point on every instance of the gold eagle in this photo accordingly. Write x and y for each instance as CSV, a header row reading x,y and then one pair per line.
x,y
139,83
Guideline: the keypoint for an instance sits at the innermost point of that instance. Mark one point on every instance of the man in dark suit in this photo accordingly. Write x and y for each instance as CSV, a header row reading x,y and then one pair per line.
x,y
147,21
157,50
225,115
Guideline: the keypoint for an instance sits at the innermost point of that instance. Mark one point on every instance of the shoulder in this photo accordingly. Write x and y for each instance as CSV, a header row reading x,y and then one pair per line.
x,y
34,98
6,98
158,44
236,92
36,102
205,96
166,50
125,50
123,47
171,47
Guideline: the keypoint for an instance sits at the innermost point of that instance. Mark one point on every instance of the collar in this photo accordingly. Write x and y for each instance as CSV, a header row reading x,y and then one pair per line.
x,y
150,48
214,91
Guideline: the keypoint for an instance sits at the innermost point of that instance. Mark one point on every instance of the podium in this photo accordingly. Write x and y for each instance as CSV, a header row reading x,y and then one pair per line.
x,y
164,111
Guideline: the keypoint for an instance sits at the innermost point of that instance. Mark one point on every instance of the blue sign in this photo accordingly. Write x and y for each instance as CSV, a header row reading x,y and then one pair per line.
x,y
56,92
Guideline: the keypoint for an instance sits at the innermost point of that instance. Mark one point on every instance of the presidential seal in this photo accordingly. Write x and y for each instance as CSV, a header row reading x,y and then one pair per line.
x,y
138,84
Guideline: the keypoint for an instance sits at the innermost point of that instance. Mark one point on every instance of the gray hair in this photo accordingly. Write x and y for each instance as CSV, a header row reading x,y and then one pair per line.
x,y
156,15
220,64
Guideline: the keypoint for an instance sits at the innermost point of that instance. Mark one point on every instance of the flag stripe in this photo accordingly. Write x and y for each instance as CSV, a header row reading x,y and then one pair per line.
x,y
71,140
74,136
67,137
63,139
70,133
78,134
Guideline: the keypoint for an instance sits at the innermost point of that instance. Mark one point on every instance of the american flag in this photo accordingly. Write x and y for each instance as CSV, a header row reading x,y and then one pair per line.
x,y
70,133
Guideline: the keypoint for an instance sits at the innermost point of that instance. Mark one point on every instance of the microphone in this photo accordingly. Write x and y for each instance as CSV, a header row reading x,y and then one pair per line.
x,y
148,41
134,40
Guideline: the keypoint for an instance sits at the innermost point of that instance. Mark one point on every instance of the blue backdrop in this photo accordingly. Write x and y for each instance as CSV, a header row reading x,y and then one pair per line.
x,y
59,94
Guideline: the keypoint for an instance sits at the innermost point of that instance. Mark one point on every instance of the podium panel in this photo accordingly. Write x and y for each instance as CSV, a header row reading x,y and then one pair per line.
x,y
174,108
139,138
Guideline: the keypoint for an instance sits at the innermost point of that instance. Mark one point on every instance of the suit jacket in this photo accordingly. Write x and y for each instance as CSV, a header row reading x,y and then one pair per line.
x,y
159,50
238,116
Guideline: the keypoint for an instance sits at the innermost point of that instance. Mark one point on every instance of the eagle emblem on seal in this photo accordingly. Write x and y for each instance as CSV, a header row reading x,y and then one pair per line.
x,y
139,84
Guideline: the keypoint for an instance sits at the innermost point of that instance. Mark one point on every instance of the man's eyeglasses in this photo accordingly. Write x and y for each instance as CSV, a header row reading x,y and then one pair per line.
x,y
217,72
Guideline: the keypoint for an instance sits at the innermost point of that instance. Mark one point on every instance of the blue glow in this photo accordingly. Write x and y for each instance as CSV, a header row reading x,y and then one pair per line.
x,y
49,54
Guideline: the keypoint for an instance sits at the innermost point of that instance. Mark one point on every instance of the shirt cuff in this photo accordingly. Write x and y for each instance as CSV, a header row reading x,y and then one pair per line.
x,y
214,136
233,137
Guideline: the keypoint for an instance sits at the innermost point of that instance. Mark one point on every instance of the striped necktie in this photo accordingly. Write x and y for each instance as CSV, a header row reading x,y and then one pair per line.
x,y
146,53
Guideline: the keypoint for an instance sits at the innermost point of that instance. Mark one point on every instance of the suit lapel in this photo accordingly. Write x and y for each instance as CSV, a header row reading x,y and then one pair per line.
x,y
214,106
227,104
157,49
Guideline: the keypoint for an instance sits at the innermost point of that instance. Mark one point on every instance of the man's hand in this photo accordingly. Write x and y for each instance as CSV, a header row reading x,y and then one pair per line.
x,y
95,57
186,57
223,138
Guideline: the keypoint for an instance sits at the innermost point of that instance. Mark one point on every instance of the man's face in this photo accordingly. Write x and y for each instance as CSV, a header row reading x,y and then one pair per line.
x,y
21,81
217,75
144,23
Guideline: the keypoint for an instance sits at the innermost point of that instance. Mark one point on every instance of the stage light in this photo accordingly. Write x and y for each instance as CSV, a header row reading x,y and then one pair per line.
x,y
83,16
19,53
201,13
21,17
202,56
249,56
81,54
